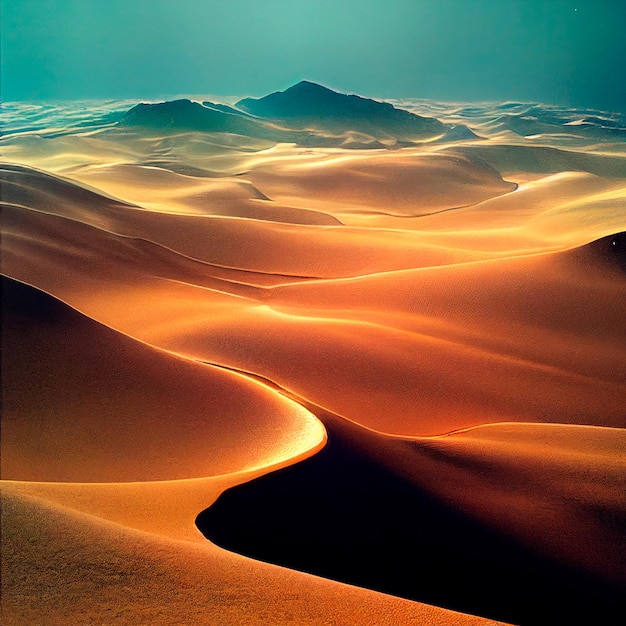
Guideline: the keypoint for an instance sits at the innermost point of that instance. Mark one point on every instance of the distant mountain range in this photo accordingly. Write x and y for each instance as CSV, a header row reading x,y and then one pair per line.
x,y
185,115
308,105
306,113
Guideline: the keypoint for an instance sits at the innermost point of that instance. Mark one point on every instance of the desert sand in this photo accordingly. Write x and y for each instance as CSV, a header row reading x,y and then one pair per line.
x,y
319,376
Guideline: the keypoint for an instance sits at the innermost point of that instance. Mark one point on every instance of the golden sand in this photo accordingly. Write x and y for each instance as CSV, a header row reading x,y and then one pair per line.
x,y
170,335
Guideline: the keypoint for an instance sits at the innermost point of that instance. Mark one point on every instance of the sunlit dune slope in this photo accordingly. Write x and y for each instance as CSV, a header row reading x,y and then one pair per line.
x,y
440,347
525,307
267,247
391,183
564,208
84,403
163,190
435,377
157,189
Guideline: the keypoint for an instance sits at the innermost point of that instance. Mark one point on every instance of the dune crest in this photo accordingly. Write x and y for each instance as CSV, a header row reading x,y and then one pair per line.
x,y
471,520
79,411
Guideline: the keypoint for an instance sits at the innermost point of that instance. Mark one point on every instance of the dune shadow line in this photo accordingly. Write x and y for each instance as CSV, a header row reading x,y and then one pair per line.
x,y
344,516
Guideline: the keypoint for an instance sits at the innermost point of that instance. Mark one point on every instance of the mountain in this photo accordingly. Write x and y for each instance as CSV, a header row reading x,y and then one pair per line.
x,y
185,115
309,105
224,108
306,113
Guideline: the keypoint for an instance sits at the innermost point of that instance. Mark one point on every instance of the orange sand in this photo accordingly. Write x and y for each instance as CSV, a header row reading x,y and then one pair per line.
x,y
410,292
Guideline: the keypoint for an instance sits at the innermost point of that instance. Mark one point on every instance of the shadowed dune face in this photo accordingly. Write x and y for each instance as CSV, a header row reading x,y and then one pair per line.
x,y
181,305
80,567
416,519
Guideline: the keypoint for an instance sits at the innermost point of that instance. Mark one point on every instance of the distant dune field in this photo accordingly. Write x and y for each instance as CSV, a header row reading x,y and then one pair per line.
x,y
313,359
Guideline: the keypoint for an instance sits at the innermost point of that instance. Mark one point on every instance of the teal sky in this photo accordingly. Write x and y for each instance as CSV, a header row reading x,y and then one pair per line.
x,y
554,51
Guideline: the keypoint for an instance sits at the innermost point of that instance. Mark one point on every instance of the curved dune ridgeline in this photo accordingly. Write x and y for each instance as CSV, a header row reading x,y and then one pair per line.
x,y
473,521
96,406
378,364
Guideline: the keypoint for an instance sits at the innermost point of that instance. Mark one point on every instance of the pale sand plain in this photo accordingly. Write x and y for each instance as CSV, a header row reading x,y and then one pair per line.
x,y
183,309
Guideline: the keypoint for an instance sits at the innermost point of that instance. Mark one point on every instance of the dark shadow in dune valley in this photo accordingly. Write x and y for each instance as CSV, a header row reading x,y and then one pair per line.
x,y
345,514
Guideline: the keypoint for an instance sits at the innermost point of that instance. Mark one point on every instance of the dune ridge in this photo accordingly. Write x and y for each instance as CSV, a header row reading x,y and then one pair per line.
x,y
76,523
90,412
77,556
412,513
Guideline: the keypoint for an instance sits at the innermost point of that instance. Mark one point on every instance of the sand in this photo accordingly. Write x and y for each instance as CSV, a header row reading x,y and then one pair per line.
x,y
256,382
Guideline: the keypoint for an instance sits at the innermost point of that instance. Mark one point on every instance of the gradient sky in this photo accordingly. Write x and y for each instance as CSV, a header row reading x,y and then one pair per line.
x,y
554,51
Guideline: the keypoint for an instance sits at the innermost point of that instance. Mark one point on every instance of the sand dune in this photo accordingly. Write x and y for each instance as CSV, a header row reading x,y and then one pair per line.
x,y
182,306
81,389
547,159
258,246
163,190
81,568
411,518
78,410
389,183
441,348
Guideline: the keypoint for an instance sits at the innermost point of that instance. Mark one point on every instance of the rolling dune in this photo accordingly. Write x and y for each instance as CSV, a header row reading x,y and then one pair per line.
x,y
495,520
81,568
398,184
383,362
75,409
78,410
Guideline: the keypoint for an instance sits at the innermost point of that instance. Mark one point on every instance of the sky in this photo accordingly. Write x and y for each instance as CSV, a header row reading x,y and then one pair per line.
x,y
565,52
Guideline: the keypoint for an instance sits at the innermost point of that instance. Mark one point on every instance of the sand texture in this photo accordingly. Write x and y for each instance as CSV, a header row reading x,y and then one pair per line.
x,y
312,360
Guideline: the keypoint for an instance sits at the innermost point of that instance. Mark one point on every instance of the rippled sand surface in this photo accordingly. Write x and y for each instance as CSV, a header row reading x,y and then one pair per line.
x,y
396,371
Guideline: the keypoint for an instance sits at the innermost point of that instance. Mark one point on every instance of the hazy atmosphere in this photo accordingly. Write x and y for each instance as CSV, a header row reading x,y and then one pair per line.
x,y
313,312
567,52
